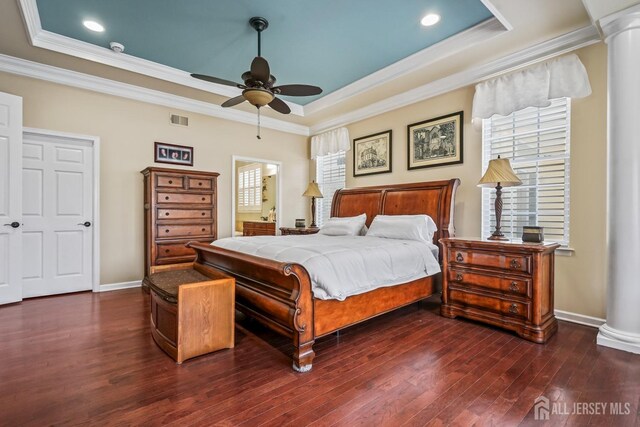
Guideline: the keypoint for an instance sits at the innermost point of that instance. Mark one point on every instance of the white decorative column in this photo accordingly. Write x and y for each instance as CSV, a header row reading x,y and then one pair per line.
x,y
622,329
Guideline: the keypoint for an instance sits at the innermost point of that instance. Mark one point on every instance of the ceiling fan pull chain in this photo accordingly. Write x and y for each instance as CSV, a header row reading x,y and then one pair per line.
x,y
258,136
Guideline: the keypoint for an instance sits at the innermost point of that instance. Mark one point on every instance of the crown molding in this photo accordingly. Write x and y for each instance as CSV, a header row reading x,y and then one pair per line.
x,y
65,77
62,44
455,44
557,46
495,12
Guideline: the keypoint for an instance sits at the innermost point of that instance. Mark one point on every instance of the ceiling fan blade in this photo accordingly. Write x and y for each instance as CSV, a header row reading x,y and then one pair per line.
x,y
260,69
280,106
297,90
212,79
233,101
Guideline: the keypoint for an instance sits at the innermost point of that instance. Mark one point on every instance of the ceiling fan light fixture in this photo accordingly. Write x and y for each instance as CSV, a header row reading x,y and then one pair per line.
x,y
257,96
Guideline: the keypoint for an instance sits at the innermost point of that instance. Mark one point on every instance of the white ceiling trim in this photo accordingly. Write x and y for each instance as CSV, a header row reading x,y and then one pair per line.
x,y
422,59
495,12
49,73
560,45
59,43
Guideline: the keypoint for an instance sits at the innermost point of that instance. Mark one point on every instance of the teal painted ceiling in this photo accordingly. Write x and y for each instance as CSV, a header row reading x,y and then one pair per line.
x,y
328,43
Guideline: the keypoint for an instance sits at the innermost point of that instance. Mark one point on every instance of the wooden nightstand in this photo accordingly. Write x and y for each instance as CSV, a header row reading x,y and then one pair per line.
x,y
506,284
298,230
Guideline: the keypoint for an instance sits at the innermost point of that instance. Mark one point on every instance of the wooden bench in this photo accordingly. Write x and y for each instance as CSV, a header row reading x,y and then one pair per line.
x,y
192,310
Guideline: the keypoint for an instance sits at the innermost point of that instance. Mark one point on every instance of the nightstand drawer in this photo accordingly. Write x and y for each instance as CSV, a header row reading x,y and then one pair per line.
x,y
505,307
516,263
519,287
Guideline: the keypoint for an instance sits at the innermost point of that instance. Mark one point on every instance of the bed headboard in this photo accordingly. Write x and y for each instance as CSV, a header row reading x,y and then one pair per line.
x,y
435,198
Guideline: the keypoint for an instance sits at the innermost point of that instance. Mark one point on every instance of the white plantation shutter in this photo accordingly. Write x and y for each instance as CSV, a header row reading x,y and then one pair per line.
x,y
250,188
536,142
330,176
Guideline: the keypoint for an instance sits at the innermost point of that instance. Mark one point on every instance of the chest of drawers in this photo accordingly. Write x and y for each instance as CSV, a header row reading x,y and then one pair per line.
x,y
505,284
179,207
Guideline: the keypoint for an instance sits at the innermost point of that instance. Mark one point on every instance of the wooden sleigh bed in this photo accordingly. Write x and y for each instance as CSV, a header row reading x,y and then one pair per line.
x,y
279,294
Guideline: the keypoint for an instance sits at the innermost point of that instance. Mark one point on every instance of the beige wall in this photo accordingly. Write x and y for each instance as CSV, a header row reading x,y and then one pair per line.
x,y
580,278
128,130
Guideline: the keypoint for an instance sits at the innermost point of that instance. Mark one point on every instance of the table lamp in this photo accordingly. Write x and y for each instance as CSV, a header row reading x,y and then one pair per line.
x,y
500,174
314,192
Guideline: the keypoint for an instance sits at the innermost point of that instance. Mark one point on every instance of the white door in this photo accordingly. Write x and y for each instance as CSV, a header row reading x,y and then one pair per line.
x,y
10,198
57,212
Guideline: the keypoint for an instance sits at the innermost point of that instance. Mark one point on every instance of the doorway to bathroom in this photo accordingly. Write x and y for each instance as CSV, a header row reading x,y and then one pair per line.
x,y
255,196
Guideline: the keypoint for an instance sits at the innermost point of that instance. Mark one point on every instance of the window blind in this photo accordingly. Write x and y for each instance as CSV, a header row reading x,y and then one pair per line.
x,y
536,142
250,188
330,176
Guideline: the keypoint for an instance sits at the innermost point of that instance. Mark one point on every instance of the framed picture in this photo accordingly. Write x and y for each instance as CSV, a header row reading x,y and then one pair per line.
x,y
435,142
372,154
173,154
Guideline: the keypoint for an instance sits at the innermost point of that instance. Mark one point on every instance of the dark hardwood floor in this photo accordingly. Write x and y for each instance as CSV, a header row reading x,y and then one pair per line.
x,y
89,359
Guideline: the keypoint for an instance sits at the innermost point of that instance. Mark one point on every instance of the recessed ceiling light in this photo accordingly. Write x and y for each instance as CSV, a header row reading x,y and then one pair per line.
x,y
93,26
430,19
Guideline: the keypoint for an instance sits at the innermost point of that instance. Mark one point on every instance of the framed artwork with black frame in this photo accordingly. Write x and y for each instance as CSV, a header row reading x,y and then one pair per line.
x,y
372,154
435,142
173,154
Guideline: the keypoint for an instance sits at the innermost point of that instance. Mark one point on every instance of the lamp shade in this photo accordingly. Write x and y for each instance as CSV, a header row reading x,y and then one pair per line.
x,y
313,191
499,172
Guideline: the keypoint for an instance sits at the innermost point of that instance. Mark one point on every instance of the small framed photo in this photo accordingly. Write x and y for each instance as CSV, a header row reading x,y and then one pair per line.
x,y
173,154
372,154
435,142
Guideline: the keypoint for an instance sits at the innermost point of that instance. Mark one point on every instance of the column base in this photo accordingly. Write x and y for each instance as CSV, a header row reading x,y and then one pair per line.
x,y
609,337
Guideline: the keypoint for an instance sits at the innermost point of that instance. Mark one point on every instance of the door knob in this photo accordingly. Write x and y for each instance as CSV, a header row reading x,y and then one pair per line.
x,y
85,224
14,224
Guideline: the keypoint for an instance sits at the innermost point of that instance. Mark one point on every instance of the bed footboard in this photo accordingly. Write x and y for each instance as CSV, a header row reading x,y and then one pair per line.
x,y
276,294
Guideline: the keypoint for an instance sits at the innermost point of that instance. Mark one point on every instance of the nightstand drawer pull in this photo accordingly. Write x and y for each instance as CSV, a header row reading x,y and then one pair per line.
x,y
459,277
515,264
513,309
513,287
459,257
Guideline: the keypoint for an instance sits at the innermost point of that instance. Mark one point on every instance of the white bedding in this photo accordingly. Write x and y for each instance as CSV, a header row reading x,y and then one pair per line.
x,y
341,266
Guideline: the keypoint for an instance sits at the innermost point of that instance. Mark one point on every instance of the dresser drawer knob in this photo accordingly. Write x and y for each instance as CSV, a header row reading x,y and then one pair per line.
x,y
459,277
459,257
166,231
199,183
514,287
203,213
166,197
515,264
170,182
203,199
167,251
166,213
203,229
513,309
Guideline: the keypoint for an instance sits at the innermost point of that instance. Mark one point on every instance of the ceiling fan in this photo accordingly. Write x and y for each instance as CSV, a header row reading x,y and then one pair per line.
x,y
258,88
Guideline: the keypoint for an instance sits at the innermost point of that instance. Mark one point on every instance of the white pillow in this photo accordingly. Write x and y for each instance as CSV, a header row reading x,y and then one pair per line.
x,y
405,227
344,226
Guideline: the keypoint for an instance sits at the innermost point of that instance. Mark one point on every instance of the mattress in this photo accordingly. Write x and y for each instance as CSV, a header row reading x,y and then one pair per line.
x,y
342,266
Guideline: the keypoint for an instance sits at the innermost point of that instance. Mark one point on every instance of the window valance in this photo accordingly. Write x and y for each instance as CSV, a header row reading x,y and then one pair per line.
x,y
330,142
535,86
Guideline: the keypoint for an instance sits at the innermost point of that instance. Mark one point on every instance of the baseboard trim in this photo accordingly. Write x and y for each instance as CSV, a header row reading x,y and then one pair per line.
x,y
620,340
581,319
122,285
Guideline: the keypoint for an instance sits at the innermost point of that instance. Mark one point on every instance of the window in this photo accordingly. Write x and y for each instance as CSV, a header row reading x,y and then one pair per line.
x,y
536,142
330,176
250,188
